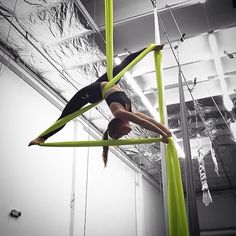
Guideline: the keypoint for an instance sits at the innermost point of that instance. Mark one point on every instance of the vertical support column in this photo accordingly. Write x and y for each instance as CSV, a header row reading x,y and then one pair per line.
x,y
139,204
190,190
156,24
73,189
163,119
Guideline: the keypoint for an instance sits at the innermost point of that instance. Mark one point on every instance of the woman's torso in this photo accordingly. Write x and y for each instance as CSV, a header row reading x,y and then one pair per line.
x,y
116,95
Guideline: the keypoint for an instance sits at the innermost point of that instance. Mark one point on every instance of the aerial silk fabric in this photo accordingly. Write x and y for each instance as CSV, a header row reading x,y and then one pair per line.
x,y
176,206
177,218
178,225
109,56
97,143
109,37
70,117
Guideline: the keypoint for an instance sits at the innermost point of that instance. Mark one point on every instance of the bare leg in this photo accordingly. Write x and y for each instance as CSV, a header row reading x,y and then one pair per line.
x,y
36,141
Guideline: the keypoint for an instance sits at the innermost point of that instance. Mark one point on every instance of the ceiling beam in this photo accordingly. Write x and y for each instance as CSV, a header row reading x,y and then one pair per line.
x,y
182,4
219,69
87,16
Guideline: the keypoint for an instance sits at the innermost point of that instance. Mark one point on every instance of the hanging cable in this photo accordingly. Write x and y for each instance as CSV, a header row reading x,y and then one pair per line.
x,y
195,102
182,35
220,112
172,49
176,59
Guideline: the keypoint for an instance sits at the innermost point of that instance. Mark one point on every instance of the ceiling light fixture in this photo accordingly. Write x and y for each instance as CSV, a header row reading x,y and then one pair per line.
x,y
117,60
228,103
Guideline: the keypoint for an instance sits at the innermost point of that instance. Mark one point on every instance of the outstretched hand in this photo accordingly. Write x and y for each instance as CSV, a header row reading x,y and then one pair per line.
x,y
165,137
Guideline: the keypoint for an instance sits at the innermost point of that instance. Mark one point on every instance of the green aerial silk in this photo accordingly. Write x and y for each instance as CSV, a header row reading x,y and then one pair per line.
x,y
70,117
66,119
177,218
96,143
109,37
178,225
129,66
176,207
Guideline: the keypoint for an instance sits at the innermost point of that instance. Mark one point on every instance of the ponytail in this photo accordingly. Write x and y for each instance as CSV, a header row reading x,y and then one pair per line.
x,y
105,149
111,129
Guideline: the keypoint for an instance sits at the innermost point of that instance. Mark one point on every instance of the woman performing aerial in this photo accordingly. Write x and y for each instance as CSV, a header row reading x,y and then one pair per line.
x,y
119,104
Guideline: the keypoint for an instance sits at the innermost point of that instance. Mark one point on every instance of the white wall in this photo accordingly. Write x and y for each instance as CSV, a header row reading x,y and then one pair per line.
x,y
111,197
38,181
154,218
33,180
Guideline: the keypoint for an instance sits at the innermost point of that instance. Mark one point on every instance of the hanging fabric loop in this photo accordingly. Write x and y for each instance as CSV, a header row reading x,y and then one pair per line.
x,y
177,218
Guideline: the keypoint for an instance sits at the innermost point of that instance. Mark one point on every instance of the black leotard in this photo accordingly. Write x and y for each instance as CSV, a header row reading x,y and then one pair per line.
x,y
120,97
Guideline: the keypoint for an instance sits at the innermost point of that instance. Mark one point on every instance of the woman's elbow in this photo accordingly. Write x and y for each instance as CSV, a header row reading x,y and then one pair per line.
x,y
120,115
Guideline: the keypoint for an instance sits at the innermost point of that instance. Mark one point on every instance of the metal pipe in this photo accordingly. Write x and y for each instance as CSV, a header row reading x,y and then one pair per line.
x,y
88,18
148,13
164,121
176,24
190,189
73,184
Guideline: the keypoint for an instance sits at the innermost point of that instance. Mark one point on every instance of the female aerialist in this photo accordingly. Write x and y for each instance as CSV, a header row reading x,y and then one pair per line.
x,y
119,104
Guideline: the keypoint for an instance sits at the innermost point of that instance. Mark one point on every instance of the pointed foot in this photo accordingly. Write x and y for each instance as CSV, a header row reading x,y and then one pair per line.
x,y
36,141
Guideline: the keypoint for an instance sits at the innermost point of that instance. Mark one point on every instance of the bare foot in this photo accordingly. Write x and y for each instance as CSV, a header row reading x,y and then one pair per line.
x,y
36,141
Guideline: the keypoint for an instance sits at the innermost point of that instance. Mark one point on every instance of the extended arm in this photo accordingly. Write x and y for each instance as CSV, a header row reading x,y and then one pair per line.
x,y
167,131
142,121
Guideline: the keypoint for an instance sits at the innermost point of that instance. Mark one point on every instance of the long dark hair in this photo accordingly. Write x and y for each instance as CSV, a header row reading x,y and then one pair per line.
x,y
111,130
